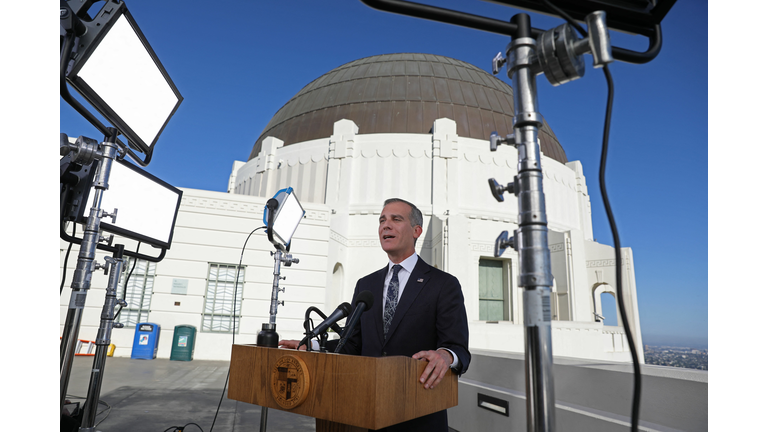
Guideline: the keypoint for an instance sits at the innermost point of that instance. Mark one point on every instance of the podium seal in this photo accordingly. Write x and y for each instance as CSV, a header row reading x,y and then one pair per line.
x,y
290,381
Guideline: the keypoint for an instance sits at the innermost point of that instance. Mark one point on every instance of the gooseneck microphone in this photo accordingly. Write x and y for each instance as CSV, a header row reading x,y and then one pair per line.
x,y
341,312
363,302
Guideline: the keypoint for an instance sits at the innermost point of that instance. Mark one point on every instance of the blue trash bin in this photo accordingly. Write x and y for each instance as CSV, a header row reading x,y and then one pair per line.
x,y
145,341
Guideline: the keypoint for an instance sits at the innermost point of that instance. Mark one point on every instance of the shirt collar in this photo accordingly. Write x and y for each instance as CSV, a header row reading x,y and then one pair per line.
x,y
408,263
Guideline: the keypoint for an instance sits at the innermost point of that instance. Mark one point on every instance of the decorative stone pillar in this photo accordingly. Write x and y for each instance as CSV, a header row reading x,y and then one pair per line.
x,y
342,142
445,149
269,153
232,187
341,147
585,207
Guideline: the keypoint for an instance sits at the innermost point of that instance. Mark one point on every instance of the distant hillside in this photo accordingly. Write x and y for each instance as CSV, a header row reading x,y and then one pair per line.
x,y
676,341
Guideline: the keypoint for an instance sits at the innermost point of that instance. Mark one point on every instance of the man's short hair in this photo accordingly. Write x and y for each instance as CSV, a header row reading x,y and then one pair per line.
x,y
414,217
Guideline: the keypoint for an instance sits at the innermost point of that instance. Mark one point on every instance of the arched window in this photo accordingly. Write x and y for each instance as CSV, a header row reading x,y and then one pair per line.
x,y
608,303
604,307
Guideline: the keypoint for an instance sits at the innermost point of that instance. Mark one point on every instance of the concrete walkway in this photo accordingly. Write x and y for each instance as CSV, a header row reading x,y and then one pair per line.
x,y
153,395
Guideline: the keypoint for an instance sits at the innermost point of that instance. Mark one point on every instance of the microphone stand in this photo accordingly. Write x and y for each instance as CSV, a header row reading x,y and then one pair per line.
x,y
343,340
351,323
308,331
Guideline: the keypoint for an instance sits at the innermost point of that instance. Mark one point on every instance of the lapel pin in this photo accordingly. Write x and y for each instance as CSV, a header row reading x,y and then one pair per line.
x,y
419,280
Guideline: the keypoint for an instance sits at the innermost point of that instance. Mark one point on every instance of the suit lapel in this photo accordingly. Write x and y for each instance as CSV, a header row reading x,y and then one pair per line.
x,y
416,282
378,303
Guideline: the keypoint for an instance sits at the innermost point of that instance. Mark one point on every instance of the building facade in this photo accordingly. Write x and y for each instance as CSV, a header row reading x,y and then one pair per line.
x,y
412,126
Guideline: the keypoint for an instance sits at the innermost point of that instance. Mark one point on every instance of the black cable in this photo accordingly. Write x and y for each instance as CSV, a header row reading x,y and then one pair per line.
x,y
66,257
181,428
108,408
614,230
234,303
617,252
566,17
125,284
309,326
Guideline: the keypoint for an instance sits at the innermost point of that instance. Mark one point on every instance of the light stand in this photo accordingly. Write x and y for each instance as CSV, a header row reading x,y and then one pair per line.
x,y
114,185
557,54
103,339
89,47
535,274
86,264
282,216
268,337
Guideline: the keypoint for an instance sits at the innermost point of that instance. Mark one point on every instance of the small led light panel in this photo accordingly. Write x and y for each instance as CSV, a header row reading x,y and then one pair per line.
x,y
286,217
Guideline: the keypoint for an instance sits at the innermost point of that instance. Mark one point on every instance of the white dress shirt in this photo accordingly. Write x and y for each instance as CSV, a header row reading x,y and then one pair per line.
x,y
402,277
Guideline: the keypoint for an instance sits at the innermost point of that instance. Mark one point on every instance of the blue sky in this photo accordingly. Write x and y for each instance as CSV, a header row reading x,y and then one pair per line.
x,y
238,63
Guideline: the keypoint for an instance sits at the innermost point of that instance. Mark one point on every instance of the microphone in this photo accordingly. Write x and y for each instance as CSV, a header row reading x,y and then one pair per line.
x,y
363,302
335,327
341,312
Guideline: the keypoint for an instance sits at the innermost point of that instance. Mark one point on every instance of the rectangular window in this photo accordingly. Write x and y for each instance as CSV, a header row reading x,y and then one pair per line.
x,y
219,311
137,293
493,290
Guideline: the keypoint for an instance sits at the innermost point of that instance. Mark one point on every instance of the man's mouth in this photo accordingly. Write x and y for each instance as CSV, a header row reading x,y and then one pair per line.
x,y
388,237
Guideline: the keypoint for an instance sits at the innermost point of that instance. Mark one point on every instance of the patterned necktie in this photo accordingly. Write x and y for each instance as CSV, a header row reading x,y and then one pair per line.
x,y
391,304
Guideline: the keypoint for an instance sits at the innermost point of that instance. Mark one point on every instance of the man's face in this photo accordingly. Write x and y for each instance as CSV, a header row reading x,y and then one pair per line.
x,y
396,233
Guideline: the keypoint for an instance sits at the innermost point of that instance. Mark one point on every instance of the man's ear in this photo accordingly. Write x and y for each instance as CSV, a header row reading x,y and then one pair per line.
x,y
417,231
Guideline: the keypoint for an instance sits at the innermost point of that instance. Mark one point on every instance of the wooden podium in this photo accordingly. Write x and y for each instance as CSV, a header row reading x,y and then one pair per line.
x,y
343,392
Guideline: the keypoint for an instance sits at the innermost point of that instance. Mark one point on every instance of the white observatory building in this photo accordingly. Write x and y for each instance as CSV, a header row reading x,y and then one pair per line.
x,y
413,126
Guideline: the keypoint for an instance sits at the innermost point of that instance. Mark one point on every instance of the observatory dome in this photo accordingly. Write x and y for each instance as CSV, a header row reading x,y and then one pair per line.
x,y
402,93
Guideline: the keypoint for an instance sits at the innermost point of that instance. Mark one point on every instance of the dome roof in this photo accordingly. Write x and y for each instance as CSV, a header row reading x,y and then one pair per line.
x,y
402,93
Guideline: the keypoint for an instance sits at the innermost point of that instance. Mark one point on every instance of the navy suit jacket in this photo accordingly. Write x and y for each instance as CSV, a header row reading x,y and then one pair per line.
x,y
429,315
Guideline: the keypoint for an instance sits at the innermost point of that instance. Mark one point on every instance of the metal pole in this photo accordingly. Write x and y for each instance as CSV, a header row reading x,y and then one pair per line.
x,y
81,279
533,247
275,286
268,336
263,425
102,341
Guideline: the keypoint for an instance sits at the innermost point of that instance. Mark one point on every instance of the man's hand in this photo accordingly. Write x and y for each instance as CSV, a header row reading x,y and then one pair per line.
x,y
439,363
290,343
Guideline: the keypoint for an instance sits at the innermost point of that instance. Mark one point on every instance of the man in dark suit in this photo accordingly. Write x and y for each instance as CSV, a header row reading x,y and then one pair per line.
x,y
418,310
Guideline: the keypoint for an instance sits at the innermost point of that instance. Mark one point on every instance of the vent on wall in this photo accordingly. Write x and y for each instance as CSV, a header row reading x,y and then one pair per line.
x,y
491,403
